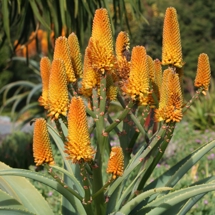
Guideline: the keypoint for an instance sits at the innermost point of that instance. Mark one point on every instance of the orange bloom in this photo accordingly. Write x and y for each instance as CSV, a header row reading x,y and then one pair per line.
x,y
203,74
45,68
171,50
158,77
61,51
90,77
116,162
78,146
170,106
58,98
101,43
75,54
137,85
42,150
122,46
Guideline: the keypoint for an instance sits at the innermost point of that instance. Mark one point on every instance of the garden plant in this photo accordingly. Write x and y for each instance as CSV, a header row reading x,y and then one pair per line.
x,y
116,93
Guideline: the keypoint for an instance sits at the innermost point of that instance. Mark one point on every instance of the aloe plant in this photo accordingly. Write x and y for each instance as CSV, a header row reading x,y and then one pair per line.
x,y
97,177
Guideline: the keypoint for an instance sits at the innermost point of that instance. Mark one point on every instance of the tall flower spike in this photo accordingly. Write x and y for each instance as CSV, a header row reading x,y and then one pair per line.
x,y
158,77
90,77
75,55
171,50
122,46
58,98
61,51
101,43
116,162
174,100
203,74
160,113
45,67
137,85
78,146
42,150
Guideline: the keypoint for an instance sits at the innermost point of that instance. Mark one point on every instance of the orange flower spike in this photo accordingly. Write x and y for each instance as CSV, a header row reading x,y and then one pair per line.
x,y
122,46
116,162
75,55
45,68
58,98
138,82
160,112
78,146
101,43
174,100
171,50
203,74
61,51
151,69
42,150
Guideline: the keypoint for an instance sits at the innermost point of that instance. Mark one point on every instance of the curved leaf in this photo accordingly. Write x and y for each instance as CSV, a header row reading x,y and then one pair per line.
x,y
21,187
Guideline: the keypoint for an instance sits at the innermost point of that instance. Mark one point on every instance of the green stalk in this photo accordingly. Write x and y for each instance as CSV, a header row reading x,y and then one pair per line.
x,y
60,131
87,201
120,118
60,181
193,99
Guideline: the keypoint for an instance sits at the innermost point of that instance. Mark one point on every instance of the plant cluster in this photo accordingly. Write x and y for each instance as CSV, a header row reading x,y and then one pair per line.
x,y
100,177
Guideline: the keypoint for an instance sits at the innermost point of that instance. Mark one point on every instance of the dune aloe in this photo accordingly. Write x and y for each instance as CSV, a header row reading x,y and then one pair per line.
x,y
125,94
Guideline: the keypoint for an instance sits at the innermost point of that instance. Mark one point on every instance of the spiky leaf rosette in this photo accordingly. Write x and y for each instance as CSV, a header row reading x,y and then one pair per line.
x,y
78,145
42,151
45,67
116,162
75,55
203,74
137,85
171,49
58,98
61,51
101,43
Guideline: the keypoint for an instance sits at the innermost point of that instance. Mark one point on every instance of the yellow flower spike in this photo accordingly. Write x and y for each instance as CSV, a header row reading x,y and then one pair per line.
x,y
42,150
122,46
137,85
116,162
203,74
111,88
75,54
160,112
171,50
90,77
45,67
58,98
174,100
61,51
78,146
101,43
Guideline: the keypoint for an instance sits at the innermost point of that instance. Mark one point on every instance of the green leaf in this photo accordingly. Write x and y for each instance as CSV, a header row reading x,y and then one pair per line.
x,y
164,203
32,92
49,182
10,211
37,14
129,206
23,191
6,20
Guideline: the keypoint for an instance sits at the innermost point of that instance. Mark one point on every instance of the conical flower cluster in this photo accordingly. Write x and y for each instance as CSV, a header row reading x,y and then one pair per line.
x,y
58,98
42,151
137,85
203,74
116,162
78,145
61,51
171,101
101,43
75,55
171,49
45,67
